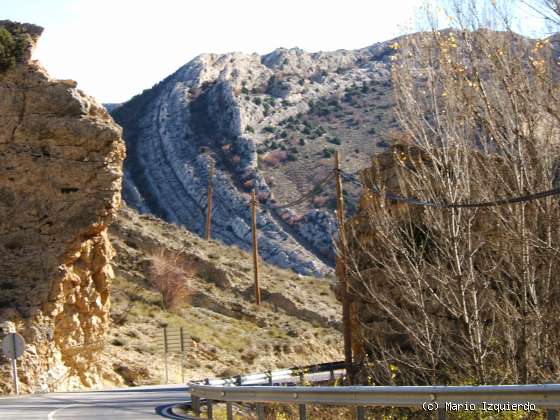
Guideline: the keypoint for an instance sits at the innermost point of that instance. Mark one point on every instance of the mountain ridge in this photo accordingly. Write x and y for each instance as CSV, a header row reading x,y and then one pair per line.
x,y
233,108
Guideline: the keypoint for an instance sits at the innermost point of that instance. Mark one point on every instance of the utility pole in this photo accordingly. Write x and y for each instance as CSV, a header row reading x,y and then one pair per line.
x,y
255,249
210,192
342,261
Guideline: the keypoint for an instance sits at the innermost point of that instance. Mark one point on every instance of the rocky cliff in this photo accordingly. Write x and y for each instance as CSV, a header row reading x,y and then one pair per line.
x,y
61,160
269,121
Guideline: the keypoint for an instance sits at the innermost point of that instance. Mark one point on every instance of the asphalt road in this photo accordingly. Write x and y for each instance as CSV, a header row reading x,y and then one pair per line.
x,y
127,403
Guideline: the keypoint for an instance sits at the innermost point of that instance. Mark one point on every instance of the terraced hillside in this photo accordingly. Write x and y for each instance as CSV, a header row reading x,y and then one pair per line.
x,y
356,122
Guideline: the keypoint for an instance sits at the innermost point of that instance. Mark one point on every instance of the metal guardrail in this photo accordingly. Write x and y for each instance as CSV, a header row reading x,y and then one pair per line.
x,y
437,400
283,376
313,373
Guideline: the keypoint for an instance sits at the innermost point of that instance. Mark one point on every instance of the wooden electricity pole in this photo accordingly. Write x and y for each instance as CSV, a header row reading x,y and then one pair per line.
x,y
342,261
255,249
209,209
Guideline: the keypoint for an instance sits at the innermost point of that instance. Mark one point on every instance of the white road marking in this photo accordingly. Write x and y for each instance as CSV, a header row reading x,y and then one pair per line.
x,y
52,413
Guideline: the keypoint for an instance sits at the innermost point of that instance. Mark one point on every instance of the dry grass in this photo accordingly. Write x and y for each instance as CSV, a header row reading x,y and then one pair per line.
x,y
326,412
296,325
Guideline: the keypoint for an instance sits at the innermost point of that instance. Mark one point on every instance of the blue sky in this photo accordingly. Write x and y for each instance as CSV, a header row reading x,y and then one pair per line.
x,y
117,48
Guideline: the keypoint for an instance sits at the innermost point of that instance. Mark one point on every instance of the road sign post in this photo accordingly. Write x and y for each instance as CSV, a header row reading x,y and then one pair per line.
x,y
173,340
182,355
13,346
14,374
165,352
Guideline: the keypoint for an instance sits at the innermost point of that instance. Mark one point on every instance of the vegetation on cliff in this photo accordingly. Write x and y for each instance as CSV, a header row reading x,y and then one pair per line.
x,y
13,47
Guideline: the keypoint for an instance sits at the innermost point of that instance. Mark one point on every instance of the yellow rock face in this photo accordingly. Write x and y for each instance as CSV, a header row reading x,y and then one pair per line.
x,y
61,160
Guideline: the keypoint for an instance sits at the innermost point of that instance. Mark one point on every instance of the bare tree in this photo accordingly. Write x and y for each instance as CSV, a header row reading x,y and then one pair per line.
x,y
548,10
170,274
455,295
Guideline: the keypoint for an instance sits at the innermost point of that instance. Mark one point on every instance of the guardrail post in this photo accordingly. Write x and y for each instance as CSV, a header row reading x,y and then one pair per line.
x,y
196,405
551,414
260,411
441,414
209,409
269,373
361,412
238,380
302,412
229,410
332,374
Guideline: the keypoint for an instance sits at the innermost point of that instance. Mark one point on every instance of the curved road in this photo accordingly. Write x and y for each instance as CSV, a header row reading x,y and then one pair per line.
x,y
128,403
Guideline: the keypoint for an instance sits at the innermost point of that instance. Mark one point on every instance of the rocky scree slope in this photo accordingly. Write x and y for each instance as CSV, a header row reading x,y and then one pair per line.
x,y
269,121
61,160
297,324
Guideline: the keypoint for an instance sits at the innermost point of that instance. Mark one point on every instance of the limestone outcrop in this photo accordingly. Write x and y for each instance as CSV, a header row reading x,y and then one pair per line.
x,y
61,160
238,108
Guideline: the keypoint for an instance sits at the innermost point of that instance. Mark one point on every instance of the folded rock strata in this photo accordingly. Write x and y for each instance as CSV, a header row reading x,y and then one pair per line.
x,y
227,106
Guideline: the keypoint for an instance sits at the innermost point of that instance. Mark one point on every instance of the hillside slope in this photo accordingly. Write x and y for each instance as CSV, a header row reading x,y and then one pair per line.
x,y
297,324
269,121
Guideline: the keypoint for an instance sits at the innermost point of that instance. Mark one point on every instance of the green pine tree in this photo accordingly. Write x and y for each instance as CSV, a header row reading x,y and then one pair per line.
x,y
12,48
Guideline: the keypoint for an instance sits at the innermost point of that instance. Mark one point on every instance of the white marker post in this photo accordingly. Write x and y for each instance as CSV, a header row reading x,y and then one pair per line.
x,y
182,355
165,350
13,346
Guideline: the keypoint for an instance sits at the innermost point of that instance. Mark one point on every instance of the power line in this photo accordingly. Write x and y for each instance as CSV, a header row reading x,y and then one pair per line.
x,y
415,201
313,192
409,200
